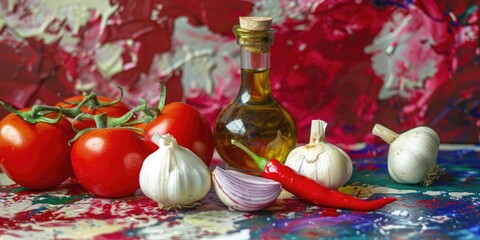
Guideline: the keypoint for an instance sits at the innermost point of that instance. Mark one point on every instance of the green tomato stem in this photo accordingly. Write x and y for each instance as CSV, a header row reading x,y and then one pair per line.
x,y
36,114
163,96
93,99
124,120
146,114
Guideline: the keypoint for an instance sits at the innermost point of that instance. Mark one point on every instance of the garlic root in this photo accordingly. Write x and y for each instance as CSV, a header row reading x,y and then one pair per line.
x,y
433,175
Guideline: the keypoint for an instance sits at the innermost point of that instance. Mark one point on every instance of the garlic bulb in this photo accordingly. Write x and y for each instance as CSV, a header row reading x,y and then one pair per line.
x,y
412,155
321,161
174,176
244,192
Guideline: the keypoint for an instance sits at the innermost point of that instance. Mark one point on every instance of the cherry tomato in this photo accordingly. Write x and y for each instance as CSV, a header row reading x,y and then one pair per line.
x,y
189,127
36,156
107,161
114,110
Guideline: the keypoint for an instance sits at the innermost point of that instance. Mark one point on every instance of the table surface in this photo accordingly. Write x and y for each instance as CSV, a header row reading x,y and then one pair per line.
x,y
449,209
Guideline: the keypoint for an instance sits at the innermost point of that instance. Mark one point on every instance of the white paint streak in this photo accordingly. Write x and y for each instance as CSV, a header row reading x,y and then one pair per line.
x,y
459,195
45,13
457,147
5,181
440,219
202,225
215,221
244,234
385,190
393,227
108,59
2,19
9,210
200,54
433,193
401,213
73,210
89,228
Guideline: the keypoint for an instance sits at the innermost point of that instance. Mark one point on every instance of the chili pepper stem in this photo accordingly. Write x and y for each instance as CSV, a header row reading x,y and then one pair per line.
x,y
260,161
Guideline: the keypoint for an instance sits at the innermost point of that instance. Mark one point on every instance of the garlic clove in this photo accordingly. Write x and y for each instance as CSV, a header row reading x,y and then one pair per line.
x,y
244,192
277,147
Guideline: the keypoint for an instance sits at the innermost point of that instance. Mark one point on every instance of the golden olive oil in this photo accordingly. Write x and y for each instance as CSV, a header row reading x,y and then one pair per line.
x,y
257,120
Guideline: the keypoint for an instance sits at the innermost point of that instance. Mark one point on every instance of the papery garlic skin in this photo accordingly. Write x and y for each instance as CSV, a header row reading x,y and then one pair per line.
x,y
412,155
174,176
321,161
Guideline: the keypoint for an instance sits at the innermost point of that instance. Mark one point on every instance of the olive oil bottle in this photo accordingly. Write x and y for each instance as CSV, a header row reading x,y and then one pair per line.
x,y
254,117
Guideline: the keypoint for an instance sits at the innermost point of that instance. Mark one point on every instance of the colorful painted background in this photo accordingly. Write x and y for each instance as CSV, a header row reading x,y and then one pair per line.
x,y
352,63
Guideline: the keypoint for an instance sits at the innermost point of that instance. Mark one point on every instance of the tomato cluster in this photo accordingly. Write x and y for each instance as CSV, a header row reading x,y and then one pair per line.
x,y
107,159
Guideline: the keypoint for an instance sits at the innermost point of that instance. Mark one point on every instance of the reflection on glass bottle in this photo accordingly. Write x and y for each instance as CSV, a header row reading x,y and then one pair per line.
x,y
254,117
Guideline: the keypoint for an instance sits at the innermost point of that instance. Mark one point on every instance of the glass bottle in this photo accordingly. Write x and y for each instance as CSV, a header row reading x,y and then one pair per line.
x,y
254,117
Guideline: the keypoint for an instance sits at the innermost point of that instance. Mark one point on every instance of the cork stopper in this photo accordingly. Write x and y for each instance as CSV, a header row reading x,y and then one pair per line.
x,y
256,23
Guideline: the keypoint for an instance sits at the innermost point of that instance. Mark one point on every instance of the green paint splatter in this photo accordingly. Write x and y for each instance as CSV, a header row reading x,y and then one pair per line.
x,y
19,189
57,200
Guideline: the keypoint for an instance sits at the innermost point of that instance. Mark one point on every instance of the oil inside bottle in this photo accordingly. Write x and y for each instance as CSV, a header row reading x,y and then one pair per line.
x,y
258,121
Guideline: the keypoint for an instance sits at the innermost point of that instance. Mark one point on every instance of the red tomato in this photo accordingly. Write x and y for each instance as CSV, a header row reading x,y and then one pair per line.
x,y
189,127
36,156
107,161
115,110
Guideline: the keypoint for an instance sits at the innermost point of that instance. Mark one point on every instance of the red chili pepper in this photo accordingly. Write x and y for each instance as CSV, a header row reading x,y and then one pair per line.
x,y
309,190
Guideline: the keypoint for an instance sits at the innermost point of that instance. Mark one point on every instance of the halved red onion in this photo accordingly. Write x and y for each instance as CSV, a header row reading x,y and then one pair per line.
x,y
244,192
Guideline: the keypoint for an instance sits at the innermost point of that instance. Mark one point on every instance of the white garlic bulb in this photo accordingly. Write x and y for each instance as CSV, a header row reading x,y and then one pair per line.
x,y
174,176
321,161
412,155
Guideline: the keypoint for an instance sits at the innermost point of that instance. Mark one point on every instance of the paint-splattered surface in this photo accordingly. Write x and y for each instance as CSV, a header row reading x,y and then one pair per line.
x,y
447,210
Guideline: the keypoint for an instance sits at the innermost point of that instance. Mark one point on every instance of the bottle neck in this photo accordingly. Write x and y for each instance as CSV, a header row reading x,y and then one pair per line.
x,y
254,61
255,77
255,64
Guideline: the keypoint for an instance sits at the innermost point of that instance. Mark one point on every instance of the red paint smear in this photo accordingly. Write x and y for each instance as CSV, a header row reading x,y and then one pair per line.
x,y
290,205
435,203
330,212
18,221
367,167
174,223
271,238
119,235
18,196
